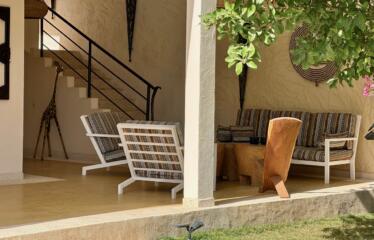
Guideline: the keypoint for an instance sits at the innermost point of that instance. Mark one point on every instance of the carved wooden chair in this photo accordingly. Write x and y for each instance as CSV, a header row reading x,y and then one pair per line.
x,y
281,140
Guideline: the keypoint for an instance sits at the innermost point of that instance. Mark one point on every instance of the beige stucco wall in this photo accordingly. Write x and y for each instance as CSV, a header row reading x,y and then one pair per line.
x,y
71,104
159,43
276,85
11,112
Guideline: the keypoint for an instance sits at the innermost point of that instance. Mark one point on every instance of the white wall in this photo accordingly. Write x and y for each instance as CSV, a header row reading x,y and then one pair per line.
x,y
11,112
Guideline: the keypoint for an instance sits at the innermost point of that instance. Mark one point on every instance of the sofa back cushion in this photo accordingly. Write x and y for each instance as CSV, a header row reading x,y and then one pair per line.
x,y
330,123
257,119
303,116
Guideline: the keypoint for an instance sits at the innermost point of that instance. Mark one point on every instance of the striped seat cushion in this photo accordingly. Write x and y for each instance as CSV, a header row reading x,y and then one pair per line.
x,y
257,119
330,123
318,155
160,175
116,155
303,116
106,123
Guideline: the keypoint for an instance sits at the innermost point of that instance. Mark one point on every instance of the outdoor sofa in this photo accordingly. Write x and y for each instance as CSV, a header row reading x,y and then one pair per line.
x,y
325,139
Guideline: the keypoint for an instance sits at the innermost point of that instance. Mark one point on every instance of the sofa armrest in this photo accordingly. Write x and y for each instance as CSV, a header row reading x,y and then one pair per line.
x,y
340,139
328,141
102,135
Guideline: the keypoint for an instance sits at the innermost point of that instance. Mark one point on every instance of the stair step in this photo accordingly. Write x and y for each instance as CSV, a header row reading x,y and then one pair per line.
x,y
97,101
82,72
105,103
104,88
67,57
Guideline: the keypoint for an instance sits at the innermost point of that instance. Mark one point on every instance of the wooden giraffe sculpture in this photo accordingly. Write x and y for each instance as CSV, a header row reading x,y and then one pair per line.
x,y
50,114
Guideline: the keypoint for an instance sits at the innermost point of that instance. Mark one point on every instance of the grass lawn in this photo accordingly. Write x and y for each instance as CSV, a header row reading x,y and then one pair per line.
x,y
344,228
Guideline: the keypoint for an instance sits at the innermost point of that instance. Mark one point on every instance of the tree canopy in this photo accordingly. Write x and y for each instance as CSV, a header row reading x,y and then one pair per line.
x,y
341,31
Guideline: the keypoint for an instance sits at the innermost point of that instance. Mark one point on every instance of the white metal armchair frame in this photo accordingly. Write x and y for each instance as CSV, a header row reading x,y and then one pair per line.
x,y
104,162
154,153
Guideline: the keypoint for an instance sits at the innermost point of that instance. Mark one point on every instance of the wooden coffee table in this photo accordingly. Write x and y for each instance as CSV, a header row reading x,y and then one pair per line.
x,y
246,157
226,161
237,161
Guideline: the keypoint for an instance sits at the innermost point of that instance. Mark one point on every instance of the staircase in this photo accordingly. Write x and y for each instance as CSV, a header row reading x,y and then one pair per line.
x,y
100,102
93,80
91,67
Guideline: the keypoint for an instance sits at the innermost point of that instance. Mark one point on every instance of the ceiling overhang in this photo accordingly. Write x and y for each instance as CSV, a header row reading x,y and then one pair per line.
x,y
35,9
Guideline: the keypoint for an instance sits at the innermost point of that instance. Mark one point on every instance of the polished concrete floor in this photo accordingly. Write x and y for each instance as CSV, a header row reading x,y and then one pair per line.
x,y
96,193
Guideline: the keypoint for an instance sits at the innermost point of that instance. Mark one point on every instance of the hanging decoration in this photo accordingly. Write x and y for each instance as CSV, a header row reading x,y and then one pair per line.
x,y
131,15
316,74
5,52
242,81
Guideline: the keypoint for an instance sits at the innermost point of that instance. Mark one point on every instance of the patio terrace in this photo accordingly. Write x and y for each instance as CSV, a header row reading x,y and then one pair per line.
x,y
69,195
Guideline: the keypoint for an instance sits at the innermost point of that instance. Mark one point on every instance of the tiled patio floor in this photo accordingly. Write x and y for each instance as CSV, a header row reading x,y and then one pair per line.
x,y
97,193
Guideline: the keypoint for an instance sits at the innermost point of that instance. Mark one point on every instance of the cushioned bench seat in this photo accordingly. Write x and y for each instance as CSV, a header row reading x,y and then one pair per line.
x,y
314,139
318,155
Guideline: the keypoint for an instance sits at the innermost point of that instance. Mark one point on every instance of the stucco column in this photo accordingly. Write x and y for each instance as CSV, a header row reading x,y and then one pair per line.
x,y
199,107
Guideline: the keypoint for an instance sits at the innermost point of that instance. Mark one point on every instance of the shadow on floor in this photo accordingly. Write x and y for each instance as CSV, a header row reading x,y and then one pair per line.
x,y
353,227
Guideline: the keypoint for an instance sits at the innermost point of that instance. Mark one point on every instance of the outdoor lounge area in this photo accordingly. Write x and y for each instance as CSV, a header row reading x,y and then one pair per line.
x,y
142,119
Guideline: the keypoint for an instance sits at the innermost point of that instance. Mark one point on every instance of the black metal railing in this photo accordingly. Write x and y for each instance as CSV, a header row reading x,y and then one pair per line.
x,y
143,90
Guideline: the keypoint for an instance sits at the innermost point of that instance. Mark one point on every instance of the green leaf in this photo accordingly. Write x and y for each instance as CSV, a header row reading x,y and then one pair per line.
x,y
239,68
227,4
252,65
252,50
360,22
251,10
340,31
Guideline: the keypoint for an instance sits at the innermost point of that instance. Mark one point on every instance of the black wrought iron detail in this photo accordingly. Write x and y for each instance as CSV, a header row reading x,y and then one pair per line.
x,y
5,52
242,81
243,85
53,6
131,15
152,110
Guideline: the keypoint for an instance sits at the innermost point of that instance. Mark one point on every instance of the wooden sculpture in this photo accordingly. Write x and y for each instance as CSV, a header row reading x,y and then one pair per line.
x,y
35,9
282,135
48,115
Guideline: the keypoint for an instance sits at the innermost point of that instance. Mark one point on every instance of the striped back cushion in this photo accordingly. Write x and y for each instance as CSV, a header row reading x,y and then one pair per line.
x,y
105,123
303,116
331,123
258,119
152,151
176,124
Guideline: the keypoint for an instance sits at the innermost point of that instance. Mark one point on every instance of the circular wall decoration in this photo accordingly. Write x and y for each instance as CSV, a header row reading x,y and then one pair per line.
x,y
316,74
